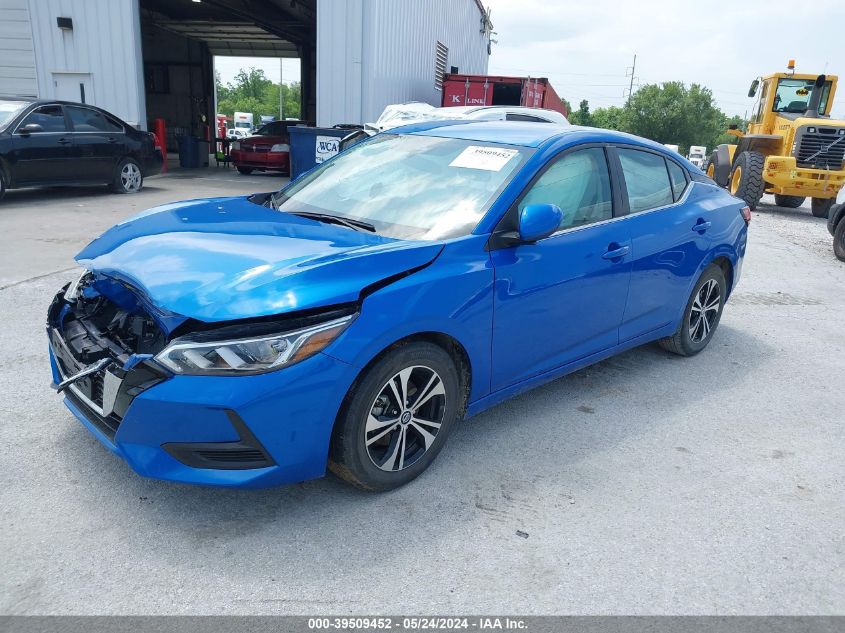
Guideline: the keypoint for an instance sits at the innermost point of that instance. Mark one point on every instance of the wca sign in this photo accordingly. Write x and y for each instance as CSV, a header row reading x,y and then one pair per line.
x,y
327,146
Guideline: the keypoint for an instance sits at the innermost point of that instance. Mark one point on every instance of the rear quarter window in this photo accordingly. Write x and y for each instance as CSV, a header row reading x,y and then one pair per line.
x,y
678,177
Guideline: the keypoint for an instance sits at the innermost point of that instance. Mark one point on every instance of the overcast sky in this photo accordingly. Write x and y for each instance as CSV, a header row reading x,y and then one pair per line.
x,y
584,46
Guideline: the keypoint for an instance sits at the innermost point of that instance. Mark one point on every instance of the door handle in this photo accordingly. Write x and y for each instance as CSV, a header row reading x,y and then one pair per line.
x,y
701,226
617,253
64,141
112,139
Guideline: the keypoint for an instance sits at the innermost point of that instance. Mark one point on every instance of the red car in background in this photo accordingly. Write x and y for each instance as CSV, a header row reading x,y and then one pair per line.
x,y
267,149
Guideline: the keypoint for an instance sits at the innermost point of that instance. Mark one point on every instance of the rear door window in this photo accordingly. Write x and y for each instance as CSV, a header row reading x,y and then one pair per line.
x,y
646,179
87,120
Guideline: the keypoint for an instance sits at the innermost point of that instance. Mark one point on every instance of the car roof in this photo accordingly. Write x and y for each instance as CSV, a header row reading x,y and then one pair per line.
x,y
466,111
523,133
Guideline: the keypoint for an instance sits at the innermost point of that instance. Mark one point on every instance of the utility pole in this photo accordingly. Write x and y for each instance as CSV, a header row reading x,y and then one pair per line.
x,y
633,70
281,89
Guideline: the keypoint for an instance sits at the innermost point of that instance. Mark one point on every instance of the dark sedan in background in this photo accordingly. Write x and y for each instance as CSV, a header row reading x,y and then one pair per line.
x,y
63,143
268,149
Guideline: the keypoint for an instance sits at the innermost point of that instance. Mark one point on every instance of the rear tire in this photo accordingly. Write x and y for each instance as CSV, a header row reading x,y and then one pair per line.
x,y
128,177
246,171
839,241
821,207
701,316
746,179
2,184
380,441
790,202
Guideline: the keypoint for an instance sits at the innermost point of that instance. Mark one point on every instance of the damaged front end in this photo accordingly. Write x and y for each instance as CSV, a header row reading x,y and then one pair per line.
x,y
102,350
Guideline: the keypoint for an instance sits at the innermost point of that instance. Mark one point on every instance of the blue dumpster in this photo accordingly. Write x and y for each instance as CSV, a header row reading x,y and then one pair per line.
x,y
189,155
310,146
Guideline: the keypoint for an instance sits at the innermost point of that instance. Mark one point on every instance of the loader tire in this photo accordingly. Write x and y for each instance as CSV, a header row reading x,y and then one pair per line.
x,y
821,206
746,180
790,202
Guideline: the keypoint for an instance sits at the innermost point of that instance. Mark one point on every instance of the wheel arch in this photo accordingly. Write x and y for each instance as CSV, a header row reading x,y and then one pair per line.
x,y
723,262
447,342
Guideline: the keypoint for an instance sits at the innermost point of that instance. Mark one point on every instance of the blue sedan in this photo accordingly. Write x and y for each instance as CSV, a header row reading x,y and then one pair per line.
x,y
350,320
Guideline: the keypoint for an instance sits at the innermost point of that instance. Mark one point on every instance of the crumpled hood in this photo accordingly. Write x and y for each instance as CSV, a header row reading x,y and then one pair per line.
x,y
220,259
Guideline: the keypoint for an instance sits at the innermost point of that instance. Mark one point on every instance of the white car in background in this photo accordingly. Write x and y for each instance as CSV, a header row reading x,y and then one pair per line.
x,y
238,133
416,112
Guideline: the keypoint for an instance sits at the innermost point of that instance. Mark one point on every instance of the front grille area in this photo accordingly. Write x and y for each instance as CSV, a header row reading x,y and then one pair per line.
x,y
79,341
258,149
822,149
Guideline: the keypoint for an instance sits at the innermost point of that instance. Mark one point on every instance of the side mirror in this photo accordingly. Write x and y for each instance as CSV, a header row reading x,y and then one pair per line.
x,y
537,221
753,89
31,128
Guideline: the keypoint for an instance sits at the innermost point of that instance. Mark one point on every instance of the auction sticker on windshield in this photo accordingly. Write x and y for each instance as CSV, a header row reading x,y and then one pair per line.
x,y
486,158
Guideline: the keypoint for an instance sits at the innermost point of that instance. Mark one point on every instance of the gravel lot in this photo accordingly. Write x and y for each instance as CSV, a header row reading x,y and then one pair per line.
x,y
647,484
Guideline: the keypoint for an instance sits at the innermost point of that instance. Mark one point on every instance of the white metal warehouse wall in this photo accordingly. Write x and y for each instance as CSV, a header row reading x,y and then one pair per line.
x,y
17,56
371,53
104,48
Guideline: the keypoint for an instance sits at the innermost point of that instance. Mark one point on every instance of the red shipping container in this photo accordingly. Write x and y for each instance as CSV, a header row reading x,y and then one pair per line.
x,y
481,90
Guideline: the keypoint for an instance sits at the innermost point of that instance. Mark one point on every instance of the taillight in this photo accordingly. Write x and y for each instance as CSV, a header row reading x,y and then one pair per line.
x,y
746,215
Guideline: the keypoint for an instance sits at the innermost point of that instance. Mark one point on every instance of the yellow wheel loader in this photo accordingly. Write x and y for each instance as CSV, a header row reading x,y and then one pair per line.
x,y
792,149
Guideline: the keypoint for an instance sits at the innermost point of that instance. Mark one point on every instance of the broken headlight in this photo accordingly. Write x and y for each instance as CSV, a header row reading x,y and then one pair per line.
x,y
72,291
250,355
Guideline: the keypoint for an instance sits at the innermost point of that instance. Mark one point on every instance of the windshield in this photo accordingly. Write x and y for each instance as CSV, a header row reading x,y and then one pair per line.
x,y
793,95
274,128
409,187
9,110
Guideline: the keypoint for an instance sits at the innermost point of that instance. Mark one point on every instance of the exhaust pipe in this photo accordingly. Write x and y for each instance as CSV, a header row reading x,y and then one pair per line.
x,y
812,111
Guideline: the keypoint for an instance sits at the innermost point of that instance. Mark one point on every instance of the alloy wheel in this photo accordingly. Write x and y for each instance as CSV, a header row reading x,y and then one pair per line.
x,y
704,311
405,417
130,177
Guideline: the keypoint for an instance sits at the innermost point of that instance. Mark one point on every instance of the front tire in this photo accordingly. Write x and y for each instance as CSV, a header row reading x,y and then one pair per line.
x,y
746,179
128,177
246,171
839,241
396,418
790,202
821,207
701,316
2,184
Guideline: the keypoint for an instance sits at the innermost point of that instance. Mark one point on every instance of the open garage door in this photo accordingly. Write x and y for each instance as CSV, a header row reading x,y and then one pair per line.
x,y
181,37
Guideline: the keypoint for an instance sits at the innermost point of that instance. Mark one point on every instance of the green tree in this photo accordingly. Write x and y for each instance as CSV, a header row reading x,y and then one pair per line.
x,y
672,113
611,118
582,115
251,91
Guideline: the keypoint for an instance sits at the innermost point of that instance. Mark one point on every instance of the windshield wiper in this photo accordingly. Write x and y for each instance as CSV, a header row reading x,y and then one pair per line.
x,y
356,225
